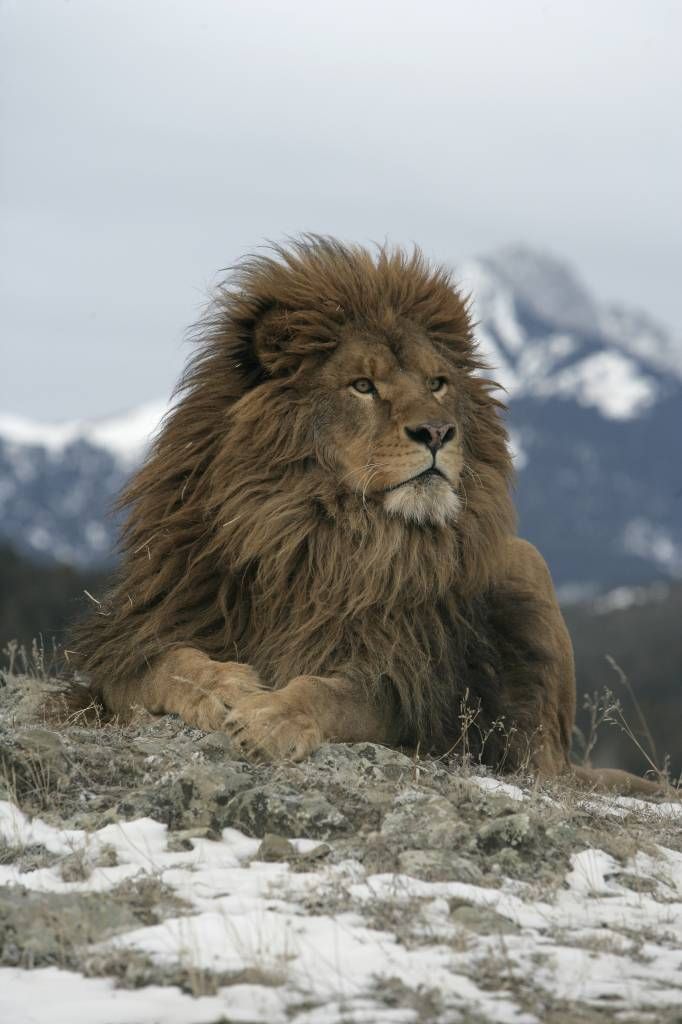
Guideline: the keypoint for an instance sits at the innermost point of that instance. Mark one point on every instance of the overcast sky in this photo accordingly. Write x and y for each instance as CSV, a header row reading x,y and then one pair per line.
x,y
147,144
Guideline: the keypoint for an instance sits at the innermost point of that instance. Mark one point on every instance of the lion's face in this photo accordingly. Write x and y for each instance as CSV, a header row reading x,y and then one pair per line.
x,y
387,423
356,377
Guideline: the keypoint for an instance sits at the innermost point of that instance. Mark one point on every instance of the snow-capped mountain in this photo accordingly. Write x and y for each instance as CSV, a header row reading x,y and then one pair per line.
x,y
595,413
546,336
58,482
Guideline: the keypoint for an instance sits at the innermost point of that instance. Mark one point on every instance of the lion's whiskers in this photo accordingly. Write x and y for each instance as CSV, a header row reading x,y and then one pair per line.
x,y
360,470
370,476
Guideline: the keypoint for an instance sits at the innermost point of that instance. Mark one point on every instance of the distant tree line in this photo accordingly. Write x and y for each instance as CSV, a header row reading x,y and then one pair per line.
x,y
37,602
645,642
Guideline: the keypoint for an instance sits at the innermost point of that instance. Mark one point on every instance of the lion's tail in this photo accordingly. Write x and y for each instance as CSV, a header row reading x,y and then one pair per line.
x,y
614,780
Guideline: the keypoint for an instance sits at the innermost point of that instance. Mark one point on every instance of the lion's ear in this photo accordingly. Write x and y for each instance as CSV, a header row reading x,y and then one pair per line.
x,y
272,337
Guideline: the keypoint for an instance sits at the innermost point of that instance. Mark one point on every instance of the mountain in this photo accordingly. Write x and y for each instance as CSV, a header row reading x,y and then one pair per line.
x,y
547,337
58,482
595,413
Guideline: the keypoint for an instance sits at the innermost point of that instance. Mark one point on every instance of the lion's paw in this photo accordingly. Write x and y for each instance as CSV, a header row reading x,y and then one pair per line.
x,y
268,725
216,691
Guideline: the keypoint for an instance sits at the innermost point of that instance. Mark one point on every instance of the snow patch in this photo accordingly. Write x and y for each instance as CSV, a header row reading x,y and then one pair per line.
x,y
650,541
607,381
322,967
498,787
639,334
519,453
48,995
621,598
548,287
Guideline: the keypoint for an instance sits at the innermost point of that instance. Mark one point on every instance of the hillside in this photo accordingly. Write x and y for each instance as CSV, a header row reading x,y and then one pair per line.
x,y
148,875
595,404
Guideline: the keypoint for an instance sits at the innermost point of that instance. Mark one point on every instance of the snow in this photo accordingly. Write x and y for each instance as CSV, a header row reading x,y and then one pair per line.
x,y
499,367
519,453
39,538
610,382
652,542
621,598
126,437
50,996
590,940
96,536
636,332
551,354
498,787
547,286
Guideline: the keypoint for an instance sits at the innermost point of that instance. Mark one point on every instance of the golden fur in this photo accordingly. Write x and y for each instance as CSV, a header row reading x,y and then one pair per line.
x,y
321,542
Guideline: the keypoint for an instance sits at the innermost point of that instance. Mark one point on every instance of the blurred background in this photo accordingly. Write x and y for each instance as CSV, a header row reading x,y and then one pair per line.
x,y
535,147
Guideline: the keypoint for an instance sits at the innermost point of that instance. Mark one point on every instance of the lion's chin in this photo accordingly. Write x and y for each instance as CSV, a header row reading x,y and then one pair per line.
x,y
433,502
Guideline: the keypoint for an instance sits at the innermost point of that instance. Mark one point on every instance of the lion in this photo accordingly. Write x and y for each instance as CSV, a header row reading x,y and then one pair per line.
x,y
321,544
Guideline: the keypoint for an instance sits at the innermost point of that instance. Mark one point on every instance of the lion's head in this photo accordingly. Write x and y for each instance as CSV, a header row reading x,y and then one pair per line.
x,y
366,370
333,474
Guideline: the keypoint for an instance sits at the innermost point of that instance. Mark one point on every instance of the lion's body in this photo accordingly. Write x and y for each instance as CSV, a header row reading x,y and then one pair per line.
x,y
296,567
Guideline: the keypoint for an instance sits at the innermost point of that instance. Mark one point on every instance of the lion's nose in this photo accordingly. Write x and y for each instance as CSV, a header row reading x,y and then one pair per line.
x,y
433,435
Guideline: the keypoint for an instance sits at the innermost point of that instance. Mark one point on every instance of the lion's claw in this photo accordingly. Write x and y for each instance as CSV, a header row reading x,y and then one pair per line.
x,y
216,692
266,725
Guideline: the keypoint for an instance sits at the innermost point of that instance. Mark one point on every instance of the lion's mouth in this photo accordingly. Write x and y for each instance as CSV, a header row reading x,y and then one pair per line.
x,y
425,476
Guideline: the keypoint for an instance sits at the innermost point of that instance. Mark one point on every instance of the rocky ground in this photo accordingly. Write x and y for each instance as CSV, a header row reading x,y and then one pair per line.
x,y
147,874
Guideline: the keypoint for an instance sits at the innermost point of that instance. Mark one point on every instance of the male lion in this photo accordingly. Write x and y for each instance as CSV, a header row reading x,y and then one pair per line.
x,y
321,543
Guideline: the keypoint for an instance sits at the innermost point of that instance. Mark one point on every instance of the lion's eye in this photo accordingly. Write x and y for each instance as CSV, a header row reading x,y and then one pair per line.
x,y
363,385
437,384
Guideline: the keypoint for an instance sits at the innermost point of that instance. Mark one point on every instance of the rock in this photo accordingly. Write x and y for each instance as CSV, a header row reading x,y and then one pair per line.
x,y
439,866
196,799
482,920
428,822
275,848
285,811
43,744
216,744
151,746
204,793
33,763
465,792
27,858
509,830
79,865
635,883
44,928
363,761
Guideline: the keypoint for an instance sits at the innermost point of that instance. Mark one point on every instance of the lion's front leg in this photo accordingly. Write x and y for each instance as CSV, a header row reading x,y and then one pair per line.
x,y
187,683
310,710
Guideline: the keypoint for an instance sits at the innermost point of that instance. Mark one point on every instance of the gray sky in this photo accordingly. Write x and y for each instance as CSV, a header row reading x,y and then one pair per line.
x,y
146,144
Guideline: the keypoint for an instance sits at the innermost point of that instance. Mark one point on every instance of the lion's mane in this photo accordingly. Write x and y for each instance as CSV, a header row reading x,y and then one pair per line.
x,y
237,544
